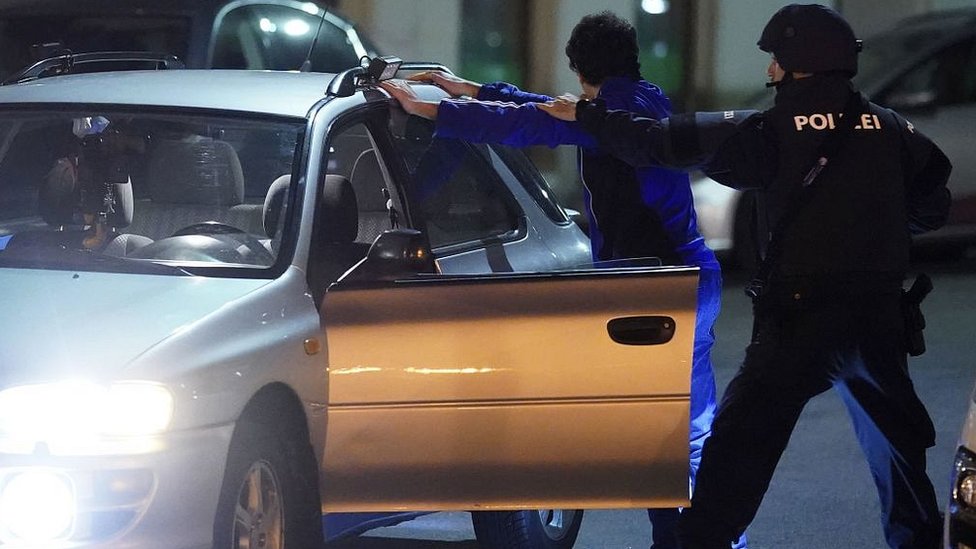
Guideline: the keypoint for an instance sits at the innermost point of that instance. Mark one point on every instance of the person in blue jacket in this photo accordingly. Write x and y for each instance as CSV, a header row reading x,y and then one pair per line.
x,y
632,212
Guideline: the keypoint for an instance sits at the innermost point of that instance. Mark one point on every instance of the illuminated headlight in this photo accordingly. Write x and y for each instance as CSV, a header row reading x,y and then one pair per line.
x,y
36,507
77,410
964,480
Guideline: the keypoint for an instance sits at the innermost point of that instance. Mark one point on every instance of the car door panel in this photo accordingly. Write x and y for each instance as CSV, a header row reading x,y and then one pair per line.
x,y
507,391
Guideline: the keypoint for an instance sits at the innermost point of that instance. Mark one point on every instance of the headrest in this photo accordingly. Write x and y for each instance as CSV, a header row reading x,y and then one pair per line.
x,y
204,172
340,219
367,176
122,216
58,195
274,201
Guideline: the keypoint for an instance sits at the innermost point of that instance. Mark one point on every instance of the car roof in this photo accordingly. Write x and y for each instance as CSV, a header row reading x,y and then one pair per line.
x,y
29,7
264,92
956,17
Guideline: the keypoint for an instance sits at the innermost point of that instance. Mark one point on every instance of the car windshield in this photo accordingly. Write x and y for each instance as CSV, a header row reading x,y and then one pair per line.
x,y
19,36
143,192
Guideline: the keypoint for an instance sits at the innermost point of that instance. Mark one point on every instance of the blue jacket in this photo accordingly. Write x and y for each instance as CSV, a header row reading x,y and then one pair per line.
x,y
632,212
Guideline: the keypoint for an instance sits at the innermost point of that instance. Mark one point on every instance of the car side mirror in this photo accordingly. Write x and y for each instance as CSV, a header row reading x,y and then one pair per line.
x,y
396,253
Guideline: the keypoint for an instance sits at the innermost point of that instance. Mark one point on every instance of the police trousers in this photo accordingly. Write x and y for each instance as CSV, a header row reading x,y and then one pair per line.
x,y
805,341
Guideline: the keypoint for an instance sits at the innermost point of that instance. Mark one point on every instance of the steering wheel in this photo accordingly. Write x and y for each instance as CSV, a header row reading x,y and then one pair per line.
x,y
258,255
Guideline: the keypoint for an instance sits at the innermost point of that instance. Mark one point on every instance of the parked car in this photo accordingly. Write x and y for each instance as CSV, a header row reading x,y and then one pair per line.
x,y
235,301
227,34
960,516
924,68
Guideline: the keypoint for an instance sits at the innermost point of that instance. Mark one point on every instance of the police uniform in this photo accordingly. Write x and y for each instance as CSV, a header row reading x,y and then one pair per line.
x,y
831,312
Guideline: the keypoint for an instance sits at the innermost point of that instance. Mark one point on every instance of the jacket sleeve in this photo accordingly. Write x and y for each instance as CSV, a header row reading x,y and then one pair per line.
x,y
506,123
500,91
927,172
682,141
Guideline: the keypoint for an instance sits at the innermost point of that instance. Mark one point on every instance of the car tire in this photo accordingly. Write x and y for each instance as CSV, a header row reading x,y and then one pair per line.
x,y
542,529
268,497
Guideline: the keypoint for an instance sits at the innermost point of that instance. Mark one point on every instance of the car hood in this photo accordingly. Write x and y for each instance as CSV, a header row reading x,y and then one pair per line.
x,y
70,325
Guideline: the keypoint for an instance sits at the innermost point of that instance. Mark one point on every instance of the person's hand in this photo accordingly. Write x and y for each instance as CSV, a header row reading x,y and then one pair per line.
x,y
403,92
562,107
453,85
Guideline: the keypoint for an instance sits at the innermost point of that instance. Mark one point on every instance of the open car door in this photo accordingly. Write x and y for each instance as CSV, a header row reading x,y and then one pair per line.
x,y
509,391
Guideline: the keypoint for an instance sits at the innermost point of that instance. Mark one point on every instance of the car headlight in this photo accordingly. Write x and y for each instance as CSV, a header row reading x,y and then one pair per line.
x,y
964,480
75,410
36,507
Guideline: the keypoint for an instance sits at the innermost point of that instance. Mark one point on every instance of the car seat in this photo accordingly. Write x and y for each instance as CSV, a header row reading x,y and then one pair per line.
x,y
274,205
334,247
191,182
370,188
58,205
119,243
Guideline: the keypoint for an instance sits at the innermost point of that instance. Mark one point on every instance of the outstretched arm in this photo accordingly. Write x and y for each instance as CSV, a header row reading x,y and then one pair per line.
x,y
495,91
454,85
491,122
680,141
409,100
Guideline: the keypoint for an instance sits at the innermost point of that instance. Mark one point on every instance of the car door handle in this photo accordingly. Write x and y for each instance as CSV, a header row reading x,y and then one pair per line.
x,y
641,330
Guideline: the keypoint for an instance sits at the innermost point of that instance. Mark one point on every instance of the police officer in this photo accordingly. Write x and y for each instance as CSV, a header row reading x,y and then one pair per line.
x,y
845,183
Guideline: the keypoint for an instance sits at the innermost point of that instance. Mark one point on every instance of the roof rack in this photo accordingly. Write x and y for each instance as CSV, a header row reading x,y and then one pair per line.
x,y
65,63
349,81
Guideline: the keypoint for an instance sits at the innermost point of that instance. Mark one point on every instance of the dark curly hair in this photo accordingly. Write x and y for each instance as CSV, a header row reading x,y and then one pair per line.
x,y
602,46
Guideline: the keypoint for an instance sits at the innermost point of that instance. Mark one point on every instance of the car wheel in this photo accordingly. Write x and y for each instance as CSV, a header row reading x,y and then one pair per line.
x,y
265,500
542,529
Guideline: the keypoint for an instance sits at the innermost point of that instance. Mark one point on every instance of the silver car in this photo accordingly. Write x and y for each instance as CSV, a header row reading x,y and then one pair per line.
x,y
252,309
924,68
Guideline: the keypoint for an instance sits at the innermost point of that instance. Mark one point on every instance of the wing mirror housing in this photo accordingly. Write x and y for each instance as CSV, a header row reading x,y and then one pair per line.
x,y
397,253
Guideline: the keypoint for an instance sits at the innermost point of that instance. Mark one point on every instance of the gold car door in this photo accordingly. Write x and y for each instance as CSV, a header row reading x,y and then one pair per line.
x,y
509,391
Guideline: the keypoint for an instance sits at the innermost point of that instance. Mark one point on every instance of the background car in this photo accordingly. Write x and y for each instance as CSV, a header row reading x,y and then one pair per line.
x,y
960,516
227,34
245,298
924,68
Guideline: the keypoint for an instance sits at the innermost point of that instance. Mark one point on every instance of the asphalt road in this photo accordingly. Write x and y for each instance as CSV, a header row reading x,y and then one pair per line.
x,y
822,495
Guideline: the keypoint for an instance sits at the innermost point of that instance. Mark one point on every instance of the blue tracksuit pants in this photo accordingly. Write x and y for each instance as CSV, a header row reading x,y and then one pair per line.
x,y
664,522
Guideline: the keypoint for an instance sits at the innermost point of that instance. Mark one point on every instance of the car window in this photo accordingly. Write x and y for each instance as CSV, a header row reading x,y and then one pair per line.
x,y
534,183
274,37
946,78
85,34
124,190
357,202
453,188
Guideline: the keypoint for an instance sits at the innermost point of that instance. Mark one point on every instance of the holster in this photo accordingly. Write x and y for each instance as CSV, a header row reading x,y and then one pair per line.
x,y
911,311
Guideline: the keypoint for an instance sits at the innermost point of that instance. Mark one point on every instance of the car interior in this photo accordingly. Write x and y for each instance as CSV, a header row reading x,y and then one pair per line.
x,y
147,188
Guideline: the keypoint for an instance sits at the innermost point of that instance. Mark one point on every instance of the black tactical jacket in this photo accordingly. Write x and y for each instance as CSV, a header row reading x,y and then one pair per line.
x,y
887,181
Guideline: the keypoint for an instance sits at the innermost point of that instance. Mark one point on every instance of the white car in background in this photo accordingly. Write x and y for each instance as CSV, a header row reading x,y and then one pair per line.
x,y
960,517
924,68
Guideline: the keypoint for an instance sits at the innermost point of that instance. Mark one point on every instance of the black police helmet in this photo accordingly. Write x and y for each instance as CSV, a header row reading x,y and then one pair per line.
x,y
811,38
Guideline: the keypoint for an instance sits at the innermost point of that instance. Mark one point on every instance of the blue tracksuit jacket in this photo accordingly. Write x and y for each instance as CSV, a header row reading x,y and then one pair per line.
x,y
632,212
